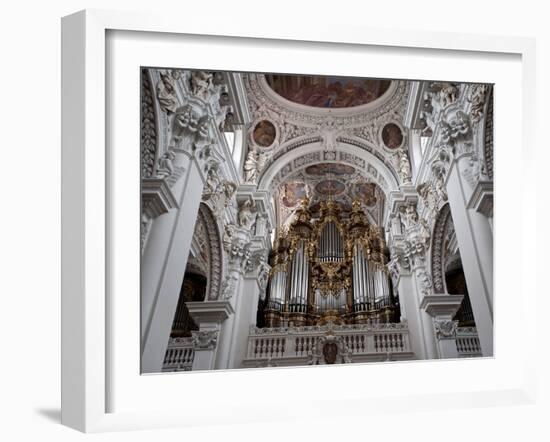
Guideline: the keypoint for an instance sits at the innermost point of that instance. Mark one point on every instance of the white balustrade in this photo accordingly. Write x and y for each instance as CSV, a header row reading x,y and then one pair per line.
x,y
293,345
467,342
179,355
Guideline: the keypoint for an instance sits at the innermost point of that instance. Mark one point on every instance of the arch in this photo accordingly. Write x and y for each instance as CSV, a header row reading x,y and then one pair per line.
x,y
443,220
344,152
212,242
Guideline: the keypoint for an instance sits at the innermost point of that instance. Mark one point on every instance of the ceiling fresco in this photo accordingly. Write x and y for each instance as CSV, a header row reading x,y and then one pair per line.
x,y
392,136
264,133
319,182
327,92
329,169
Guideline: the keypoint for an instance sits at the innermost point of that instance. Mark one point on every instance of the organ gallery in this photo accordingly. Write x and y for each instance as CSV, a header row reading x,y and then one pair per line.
x,y
330,268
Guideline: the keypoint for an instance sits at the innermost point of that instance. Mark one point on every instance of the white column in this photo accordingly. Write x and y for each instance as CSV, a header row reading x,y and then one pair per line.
x,y
163,267
210,317
475,241
442,308
425,319
410,310
245,316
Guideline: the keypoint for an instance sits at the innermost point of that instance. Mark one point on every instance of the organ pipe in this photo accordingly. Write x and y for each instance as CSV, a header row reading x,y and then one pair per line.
x,y
340,258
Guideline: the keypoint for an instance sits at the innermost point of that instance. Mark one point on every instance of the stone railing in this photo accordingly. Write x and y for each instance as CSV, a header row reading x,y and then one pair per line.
x,y
467,342
179,355
295,345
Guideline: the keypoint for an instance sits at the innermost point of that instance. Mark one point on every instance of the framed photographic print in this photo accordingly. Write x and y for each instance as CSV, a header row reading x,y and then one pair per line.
x,y
251,215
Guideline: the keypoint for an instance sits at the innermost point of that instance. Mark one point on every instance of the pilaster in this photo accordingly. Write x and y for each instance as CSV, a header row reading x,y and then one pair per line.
x,y
442,308
209,316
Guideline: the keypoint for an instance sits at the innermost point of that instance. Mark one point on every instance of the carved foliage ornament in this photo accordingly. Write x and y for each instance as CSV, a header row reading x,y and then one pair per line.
x,y
148,128
215,251
205,340
445,329
443,220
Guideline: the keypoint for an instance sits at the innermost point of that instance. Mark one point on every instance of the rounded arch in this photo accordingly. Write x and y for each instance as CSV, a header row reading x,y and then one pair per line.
x,y
344,152
441,225
212,241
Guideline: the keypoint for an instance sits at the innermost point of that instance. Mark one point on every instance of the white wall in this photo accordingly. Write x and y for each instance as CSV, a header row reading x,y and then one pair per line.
x,y
30,221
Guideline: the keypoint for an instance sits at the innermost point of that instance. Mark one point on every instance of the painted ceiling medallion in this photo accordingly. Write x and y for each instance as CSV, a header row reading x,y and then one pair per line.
x,y
264,133
392,136
327,92
329,168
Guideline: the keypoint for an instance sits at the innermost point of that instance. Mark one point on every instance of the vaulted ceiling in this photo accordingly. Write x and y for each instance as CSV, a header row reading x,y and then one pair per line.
x,y
327,117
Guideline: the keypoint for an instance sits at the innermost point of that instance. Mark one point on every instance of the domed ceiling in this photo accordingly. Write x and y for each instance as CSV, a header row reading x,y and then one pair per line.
x,y
327,91
319,182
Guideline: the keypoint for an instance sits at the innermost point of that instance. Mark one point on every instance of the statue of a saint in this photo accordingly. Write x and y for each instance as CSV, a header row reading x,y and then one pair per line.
x,y
251,166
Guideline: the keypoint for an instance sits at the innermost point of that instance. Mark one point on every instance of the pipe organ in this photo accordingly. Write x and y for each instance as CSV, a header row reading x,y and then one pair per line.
x,y
329,268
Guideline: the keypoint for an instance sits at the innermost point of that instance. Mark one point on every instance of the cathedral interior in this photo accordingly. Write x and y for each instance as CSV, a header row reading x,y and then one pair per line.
x,y
292,220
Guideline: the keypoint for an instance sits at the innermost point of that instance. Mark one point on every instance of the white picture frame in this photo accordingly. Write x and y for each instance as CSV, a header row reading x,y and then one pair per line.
x,y
87,315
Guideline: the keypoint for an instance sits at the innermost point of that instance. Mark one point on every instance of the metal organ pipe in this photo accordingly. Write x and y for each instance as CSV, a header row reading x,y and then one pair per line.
x,y
294,278
355,279
301,295
306,278
359,274
332,242
364,266
371,281
362,275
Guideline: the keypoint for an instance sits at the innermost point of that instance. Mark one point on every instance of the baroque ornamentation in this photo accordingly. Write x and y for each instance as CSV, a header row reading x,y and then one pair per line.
x,y
202,84
426,287
473,170
456,132
190,129
445,328
247,214
477,97
215,251
166,91
205,339
331,350
148,128
254,164
437,97
298,123
218,192
403,166
263,275
488,140
146,223
441,226
237,246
